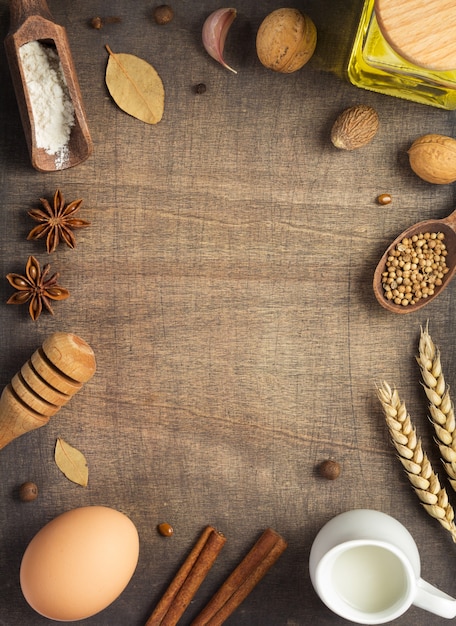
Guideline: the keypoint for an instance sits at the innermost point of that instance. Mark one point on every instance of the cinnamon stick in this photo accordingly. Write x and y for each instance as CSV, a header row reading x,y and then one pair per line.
x,y
188,579
242,580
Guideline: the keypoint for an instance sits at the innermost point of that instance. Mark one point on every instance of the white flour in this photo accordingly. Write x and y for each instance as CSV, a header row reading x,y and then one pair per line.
x,y
52,109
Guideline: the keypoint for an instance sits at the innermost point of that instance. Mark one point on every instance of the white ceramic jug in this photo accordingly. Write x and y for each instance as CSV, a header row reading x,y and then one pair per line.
x,y
365,567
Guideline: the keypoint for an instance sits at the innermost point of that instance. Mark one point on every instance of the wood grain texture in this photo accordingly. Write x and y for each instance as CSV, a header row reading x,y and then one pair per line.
x,y
225,286
422,31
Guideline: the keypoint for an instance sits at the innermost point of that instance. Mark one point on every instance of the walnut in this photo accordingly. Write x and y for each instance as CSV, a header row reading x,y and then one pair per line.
x,y
433,158
286,40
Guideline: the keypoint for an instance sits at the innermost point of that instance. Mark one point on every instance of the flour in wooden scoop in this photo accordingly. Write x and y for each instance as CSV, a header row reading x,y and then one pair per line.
x,y
52,108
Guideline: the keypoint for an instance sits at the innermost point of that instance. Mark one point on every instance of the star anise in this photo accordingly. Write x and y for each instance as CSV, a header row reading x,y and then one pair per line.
x,y
56,222
36,288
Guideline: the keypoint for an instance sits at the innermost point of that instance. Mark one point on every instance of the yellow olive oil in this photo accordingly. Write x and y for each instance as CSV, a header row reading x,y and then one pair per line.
x,y
374,65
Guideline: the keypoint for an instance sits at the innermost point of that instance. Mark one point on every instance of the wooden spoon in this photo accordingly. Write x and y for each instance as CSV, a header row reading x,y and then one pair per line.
x,y
30,20
447,226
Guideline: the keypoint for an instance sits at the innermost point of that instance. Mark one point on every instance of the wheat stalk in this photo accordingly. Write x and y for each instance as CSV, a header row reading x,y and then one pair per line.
x,y
441,407
419,470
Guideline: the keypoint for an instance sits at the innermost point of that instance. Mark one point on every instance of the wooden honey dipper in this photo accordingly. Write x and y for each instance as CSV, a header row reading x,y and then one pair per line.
x,y
52,375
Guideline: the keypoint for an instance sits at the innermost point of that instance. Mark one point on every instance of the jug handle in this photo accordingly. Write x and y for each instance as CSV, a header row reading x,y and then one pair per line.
x,y
433,600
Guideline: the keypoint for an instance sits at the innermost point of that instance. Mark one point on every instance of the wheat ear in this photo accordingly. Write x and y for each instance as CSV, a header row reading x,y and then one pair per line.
x,y
419,470
441,407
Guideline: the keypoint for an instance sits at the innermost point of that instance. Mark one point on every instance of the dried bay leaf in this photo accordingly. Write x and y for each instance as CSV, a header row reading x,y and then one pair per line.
x,y
71,462
135,86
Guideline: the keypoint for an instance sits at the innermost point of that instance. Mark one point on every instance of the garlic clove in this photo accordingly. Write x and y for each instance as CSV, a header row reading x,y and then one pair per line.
x,y
215,31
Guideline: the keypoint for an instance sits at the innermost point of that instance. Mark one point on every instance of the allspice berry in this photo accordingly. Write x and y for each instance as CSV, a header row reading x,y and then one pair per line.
x,y
329,469
28,491
163,14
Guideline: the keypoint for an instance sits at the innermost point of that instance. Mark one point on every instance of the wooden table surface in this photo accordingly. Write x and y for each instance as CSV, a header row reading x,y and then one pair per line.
x,y
225,287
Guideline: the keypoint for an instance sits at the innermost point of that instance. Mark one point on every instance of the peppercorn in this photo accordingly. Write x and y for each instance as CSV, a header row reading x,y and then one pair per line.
x,y
200,88
28,491
384,198
165,529
163,14
329,469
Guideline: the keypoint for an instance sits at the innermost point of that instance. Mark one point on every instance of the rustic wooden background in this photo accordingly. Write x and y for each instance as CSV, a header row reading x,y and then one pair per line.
x,y
225,287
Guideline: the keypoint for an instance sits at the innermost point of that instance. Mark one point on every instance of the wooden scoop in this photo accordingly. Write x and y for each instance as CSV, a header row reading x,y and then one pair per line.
x,y
31,21
447,226
52,375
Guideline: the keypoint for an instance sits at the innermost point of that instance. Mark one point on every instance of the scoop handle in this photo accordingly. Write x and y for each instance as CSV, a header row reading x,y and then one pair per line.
x,y
450,220
21,10
433,600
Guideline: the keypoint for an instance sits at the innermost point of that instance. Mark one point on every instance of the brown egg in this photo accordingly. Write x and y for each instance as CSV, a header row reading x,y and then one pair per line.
x,y
79,563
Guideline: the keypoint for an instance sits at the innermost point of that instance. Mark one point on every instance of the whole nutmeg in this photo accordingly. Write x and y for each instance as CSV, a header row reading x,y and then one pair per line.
x,y
355,127
433,158
286,40
329,469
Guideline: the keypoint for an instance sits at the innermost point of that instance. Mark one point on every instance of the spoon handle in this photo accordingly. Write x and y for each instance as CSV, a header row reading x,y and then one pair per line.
x,y
451,220
21,10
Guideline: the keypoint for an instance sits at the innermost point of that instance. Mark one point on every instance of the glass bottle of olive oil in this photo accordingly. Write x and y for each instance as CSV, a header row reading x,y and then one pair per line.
x,y
387,55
